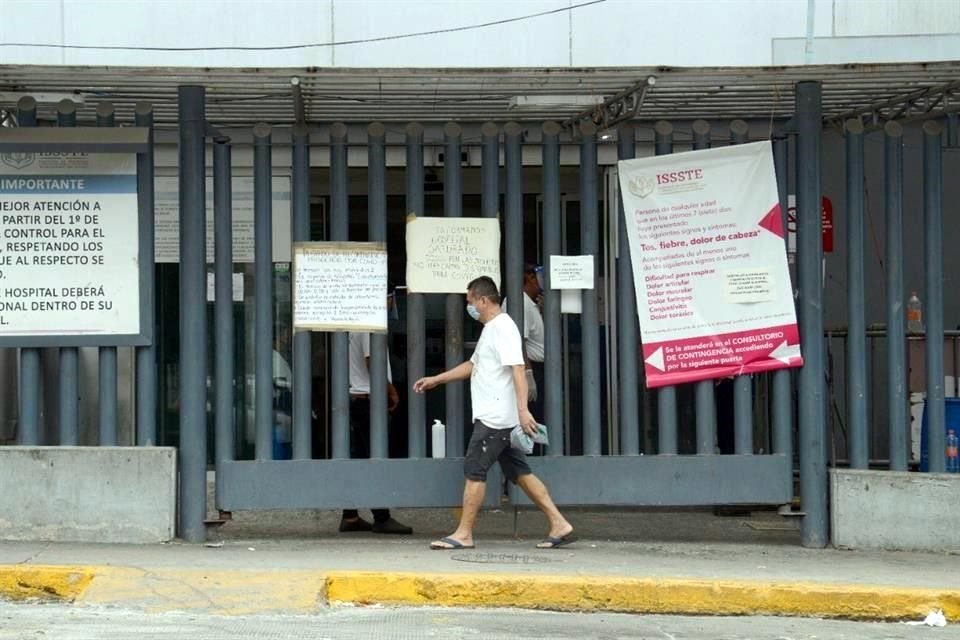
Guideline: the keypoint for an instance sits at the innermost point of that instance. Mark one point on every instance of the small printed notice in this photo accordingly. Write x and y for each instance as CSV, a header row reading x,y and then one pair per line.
x,y
69,245
745,286
571,272
445,254
706,235
340,286
236,287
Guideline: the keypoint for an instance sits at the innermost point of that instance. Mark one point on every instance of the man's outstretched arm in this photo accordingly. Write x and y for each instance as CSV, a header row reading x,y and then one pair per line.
x,y
461,372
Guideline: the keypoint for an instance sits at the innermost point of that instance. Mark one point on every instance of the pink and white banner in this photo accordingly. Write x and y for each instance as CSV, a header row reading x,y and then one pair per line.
x,y
714,296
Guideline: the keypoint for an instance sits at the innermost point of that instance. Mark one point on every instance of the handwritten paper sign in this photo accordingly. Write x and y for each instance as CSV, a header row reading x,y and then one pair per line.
x,y
571,272
340,286
445,254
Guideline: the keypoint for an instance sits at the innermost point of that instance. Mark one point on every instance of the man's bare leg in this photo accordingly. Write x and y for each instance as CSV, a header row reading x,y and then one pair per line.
x,y
537,492
473,492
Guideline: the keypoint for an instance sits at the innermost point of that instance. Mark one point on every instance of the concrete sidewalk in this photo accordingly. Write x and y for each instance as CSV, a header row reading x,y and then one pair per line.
x,y
634,561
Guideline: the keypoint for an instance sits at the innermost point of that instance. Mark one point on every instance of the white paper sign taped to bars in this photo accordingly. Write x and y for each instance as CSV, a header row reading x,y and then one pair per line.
x,y
445,254
340,286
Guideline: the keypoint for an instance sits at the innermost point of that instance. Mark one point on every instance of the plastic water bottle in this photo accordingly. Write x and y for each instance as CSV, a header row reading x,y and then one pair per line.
x,y
914,314
438,435
953,452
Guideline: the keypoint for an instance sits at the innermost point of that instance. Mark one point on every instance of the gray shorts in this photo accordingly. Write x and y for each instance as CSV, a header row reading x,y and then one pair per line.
x,y
493,445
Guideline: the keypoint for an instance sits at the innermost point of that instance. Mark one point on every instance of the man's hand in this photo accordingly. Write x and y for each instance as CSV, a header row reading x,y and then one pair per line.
x,y
425,384
393,398
528,422
531,386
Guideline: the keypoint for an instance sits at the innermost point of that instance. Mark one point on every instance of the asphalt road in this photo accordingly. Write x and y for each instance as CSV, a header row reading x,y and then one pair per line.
x,y
40,622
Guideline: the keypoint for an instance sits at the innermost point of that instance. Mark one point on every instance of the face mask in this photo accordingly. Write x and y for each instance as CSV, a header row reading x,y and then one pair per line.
x,y
472,312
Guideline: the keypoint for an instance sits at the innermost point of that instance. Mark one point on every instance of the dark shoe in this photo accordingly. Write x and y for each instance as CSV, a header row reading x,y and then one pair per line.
x,y
392,526
351,526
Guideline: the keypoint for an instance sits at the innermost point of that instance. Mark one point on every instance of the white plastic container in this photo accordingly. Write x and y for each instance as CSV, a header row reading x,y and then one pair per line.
x,y
438,433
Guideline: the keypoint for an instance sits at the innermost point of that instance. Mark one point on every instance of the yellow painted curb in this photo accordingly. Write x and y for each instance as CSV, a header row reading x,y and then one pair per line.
x,y
238,592
218,592
33,582
649,595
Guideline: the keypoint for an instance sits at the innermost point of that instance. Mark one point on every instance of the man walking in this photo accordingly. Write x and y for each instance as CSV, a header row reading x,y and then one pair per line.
x,y
498,389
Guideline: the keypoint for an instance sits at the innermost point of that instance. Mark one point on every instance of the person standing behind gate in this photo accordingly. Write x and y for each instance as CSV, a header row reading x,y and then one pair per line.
x,y
533,337
498,390
350,520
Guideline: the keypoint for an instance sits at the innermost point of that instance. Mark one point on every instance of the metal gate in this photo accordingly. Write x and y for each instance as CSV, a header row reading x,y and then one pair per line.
x,y
621,470
630,450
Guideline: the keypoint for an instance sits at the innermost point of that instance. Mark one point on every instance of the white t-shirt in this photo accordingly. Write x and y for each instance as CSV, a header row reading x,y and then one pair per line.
x,y
282,373
532,328
359,373
492,392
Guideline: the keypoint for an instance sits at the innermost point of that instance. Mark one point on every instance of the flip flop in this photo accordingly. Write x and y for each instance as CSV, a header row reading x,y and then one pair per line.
x,y
551,542
453,545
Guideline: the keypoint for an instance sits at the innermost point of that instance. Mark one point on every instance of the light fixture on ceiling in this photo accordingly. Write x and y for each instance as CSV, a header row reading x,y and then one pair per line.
x,y
554,101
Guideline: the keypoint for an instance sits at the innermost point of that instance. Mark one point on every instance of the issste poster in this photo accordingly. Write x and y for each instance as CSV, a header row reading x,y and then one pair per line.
x,y
709,262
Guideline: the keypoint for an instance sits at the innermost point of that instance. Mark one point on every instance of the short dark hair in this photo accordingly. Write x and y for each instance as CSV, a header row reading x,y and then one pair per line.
x,y
530,269
484,287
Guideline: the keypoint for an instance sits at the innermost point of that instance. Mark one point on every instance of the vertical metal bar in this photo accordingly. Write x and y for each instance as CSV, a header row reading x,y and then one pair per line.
x,y
29,427
628,348
856,301
340,341
146,357
782,396
490,185
107,355
953,129
742,385
705,402
552,246
302,340
193,338
377,225
933,291
490,171
590,245
224,445
263,291
813,451
513,222
69,356
416,325
666,396
453,208
896,325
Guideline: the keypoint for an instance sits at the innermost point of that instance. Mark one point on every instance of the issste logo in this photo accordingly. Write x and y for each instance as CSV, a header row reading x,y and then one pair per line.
x,y
684,175
641,186
18,159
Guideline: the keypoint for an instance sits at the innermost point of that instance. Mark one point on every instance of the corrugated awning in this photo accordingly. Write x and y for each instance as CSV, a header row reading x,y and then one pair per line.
x,y
243,97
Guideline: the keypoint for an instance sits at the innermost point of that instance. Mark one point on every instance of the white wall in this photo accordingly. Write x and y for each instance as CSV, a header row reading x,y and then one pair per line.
x,y
611,33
